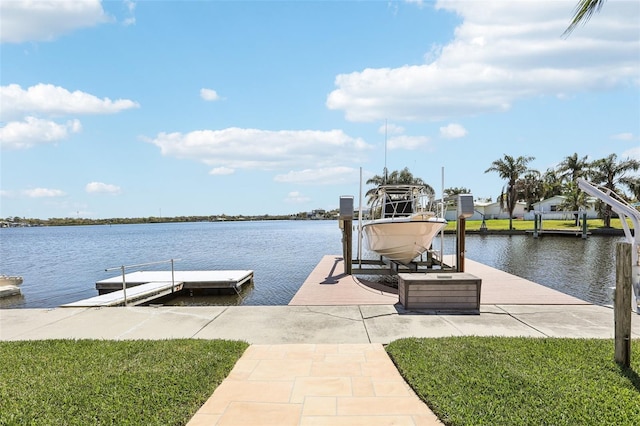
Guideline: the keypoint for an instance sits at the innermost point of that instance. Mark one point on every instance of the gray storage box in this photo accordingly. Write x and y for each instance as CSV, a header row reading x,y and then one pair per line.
x,y
444,291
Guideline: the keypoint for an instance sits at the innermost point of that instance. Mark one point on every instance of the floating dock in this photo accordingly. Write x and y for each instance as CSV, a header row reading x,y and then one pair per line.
x,y
145,286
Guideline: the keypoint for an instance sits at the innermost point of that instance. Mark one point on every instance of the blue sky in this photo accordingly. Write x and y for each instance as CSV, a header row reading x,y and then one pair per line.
x,y
135,109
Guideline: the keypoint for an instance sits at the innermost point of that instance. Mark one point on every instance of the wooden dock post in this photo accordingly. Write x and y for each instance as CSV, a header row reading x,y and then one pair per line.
x,y
622,305
584,226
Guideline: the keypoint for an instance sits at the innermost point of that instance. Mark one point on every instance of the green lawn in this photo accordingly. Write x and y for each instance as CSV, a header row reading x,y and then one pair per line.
x,y
465,380
521,381
526,225
88,382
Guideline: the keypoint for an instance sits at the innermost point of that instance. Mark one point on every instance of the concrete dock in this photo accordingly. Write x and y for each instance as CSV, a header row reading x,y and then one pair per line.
x,y
323,362
328,285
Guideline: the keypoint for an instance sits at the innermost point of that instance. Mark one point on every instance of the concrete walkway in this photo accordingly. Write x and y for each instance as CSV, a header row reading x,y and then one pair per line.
x,y
324,364
270,325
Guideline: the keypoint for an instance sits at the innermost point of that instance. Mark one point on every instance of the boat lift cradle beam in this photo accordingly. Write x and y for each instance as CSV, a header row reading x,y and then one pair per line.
x,y
625,211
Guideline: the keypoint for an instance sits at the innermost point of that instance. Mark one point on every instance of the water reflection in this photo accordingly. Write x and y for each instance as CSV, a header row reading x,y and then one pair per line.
x,y
581,268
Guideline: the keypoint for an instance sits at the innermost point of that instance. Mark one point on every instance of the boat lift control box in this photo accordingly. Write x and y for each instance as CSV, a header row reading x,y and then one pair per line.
x,y
346,207
465,205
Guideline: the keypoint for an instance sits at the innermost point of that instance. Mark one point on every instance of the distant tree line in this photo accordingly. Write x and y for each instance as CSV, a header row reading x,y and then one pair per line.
x,y
74,221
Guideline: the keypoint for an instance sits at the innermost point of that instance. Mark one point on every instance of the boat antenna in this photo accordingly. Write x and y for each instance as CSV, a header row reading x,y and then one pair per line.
x,y
384,180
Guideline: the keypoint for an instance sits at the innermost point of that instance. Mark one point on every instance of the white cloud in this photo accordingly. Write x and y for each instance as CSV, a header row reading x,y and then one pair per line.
x,y
43,193
390,129
33,131
320,176
408,142
633,153
102,188
53,100
131,8
453,131
41,20
623,136
418,3
296,197
209,94
503,51
221,171
237,148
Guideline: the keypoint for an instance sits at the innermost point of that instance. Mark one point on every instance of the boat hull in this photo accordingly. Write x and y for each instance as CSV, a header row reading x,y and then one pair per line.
x,y
402,239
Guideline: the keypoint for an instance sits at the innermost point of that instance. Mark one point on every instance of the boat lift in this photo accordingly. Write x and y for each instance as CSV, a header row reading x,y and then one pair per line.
x,y
430,261
624,210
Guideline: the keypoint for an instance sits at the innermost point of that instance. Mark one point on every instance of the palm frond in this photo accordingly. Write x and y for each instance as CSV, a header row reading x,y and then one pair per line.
x,y
583,12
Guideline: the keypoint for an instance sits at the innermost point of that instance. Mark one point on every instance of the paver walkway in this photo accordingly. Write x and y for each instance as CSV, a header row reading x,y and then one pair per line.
x,y
309,384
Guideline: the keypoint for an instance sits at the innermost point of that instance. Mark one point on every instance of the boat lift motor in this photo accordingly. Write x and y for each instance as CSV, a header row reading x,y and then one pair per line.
x,y
465,205
624,210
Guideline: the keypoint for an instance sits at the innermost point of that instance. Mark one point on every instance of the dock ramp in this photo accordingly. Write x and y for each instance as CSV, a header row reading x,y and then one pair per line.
x,y
135,295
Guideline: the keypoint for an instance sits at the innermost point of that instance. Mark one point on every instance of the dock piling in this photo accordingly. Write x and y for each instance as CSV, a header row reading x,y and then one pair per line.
x,y
622,305
346,224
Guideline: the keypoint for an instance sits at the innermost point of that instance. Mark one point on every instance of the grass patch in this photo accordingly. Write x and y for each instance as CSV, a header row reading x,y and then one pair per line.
x,y
521,381
527,225
81,382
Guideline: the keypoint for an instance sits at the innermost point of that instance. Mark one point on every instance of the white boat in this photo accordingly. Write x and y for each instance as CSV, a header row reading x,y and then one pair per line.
x,y
6,280
402,225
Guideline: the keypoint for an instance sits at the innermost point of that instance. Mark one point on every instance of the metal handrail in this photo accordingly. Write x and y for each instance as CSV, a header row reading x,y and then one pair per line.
x,y
124,267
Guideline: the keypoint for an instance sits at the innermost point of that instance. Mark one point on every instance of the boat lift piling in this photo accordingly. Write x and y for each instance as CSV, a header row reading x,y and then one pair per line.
x,y
346,224
464,211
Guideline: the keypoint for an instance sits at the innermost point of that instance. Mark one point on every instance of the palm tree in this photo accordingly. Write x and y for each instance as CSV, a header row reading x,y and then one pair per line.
x,y
610,173
633,184
573,167
402,177
453,191
583,12
530,188
575,200
551,184
511,169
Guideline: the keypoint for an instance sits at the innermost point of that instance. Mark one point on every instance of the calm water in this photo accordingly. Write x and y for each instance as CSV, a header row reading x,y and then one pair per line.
x,y
61,264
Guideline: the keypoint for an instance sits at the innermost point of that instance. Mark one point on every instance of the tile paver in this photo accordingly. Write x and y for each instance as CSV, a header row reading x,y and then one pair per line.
x,y
308,384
